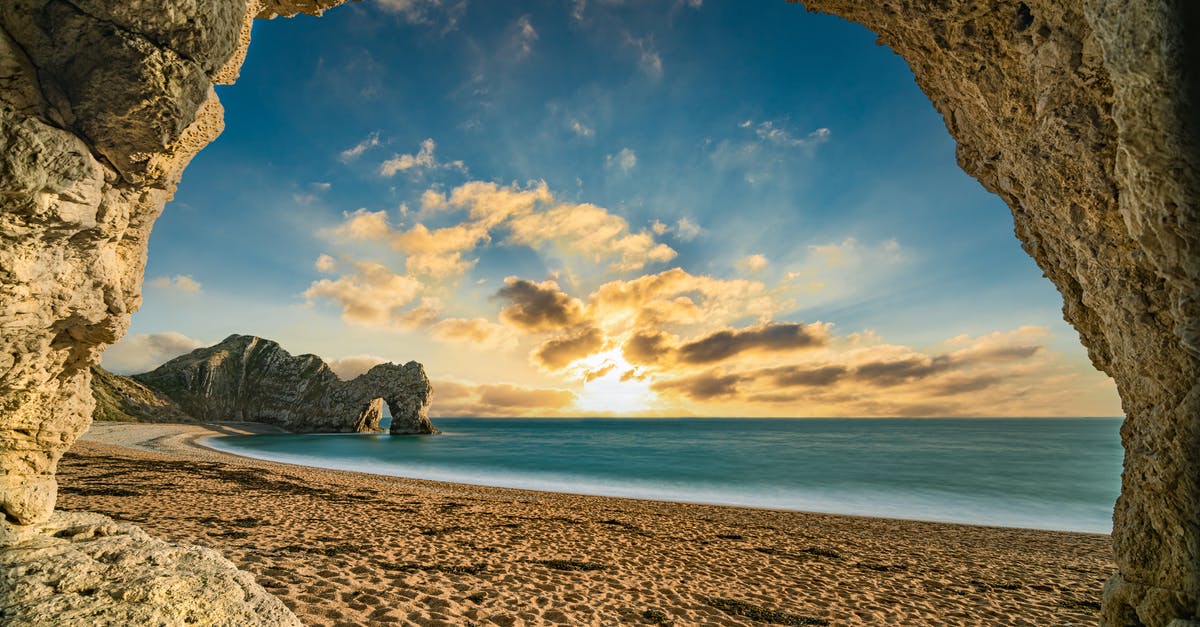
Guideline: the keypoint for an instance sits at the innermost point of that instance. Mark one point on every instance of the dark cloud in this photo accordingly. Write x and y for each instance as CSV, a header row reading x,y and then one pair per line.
x,y
1000,353
723,345
538,306
895,372
702,387
964,384
657,348
804,376
647,347
557,353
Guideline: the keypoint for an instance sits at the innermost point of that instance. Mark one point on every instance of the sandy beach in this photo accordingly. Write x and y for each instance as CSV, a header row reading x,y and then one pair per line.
x,y
344,548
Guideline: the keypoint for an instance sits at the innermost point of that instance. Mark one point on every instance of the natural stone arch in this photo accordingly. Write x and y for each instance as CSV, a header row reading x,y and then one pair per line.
x,y
1080,114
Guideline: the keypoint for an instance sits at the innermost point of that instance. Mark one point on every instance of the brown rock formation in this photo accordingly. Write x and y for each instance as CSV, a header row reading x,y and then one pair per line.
x,y
1079,113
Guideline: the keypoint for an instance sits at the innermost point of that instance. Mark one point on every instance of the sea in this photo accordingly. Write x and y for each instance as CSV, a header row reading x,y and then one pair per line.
x,y
1040,473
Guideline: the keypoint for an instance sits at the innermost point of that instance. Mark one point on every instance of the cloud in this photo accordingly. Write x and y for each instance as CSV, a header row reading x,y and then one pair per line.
x,y
478,332
535,307
361,224
624,159
523,37
986,375
456,398
686,230
529,216
752,263
649,60
355,151
179,282
558,353
422,161
442,13
591,232
347,368
702,387
656,348
504,395
677,296
375,296
325,263
492,204
143,352
768,131
580,128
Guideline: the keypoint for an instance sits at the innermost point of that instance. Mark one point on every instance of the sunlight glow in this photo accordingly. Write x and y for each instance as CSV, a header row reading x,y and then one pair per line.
x,y
610,385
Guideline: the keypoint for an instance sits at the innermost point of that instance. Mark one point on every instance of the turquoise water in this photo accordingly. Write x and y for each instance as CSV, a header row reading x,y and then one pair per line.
x,y
1041,473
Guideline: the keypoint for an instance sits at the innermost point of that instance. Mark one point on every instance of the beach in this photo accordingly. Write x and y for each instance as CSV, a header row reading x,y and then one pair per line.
x,y
344,548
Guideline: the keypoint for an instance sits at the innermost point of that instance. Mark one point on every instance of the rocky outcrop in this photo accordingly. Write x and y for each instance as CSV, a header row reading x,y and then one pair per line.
x,y
124,399
247,378
102,104
86,569
1080,114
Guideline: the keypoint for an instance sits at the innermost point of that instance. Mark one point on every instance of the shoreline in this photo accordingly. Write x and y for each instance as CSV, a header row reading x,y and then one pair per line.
x,y
204,442
319,537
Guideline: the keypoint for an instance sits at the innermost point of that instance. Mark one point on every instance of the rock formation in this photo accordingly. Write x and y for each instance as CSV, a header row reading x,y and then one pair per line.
x,y
249,378
1077,114
1080,114
123,398
86,569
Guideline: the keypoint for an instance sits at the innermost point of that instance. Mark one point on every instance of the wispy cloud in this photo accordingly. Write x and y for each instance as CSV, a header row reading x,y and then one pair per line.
x,y
179,282
649,60
355,151
423,160
442,14
753,263
624,160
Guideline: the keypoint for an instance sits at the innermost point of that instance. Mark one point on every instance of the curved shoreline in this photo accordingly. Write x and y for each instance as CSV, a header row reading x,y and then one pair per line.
x,y
330,542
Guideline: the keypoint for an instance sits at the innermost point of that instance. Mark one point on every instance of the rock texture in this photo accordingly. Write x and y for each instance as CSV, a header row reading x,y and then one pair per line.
x,y
86,569
123,398
1080,114
102,104
248,378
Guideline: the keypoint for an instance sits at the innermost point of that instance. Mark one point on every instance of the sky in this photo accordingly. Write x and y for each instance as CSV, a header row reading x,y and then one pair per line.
x,y
608,207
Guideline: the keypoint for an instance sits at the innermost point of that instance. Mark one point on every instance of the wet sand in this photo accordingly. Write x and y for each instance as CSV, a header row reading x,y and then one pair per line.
x,y
343,548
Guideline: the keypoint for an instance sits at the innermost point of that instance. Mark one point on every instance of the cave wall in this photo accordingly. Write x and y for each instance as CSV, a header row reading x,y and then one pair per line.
x,y
1077,114
1080,114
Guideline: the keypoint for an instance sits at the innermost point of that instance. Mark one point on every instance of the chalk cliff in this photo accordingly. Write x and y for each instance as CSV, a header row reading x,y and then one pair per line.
x,y
250,378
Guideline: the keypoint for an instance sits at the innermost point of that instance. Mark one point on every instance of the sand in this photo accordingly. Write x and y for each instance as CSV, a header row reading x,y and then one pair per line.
x,y
344,548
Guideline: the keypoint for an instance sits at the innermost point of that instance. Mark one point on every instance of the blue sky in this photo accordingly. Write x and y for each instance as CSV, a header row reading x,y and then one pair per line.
x,y
781,158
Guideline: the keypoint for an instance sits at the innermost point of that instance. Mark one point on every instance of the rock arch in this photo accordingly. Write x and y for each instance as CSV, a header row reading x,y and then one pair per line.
x,y
1080,114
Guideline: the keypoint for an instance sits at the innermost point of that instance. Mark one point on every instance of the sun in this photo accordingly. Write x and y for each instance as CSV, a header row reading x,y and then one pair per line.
x,y
611,385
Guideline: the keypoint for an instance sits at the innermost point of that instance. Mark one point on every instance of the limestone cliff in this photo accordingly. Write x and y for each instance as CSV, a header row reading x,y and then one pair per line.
x,y
253,379
123,398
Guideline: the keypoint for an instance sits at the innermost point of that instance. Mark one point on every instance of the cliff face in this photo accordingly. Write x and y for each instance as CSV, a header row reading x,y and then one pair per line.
x,y
123,398
249,378
1076,114
1080,114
